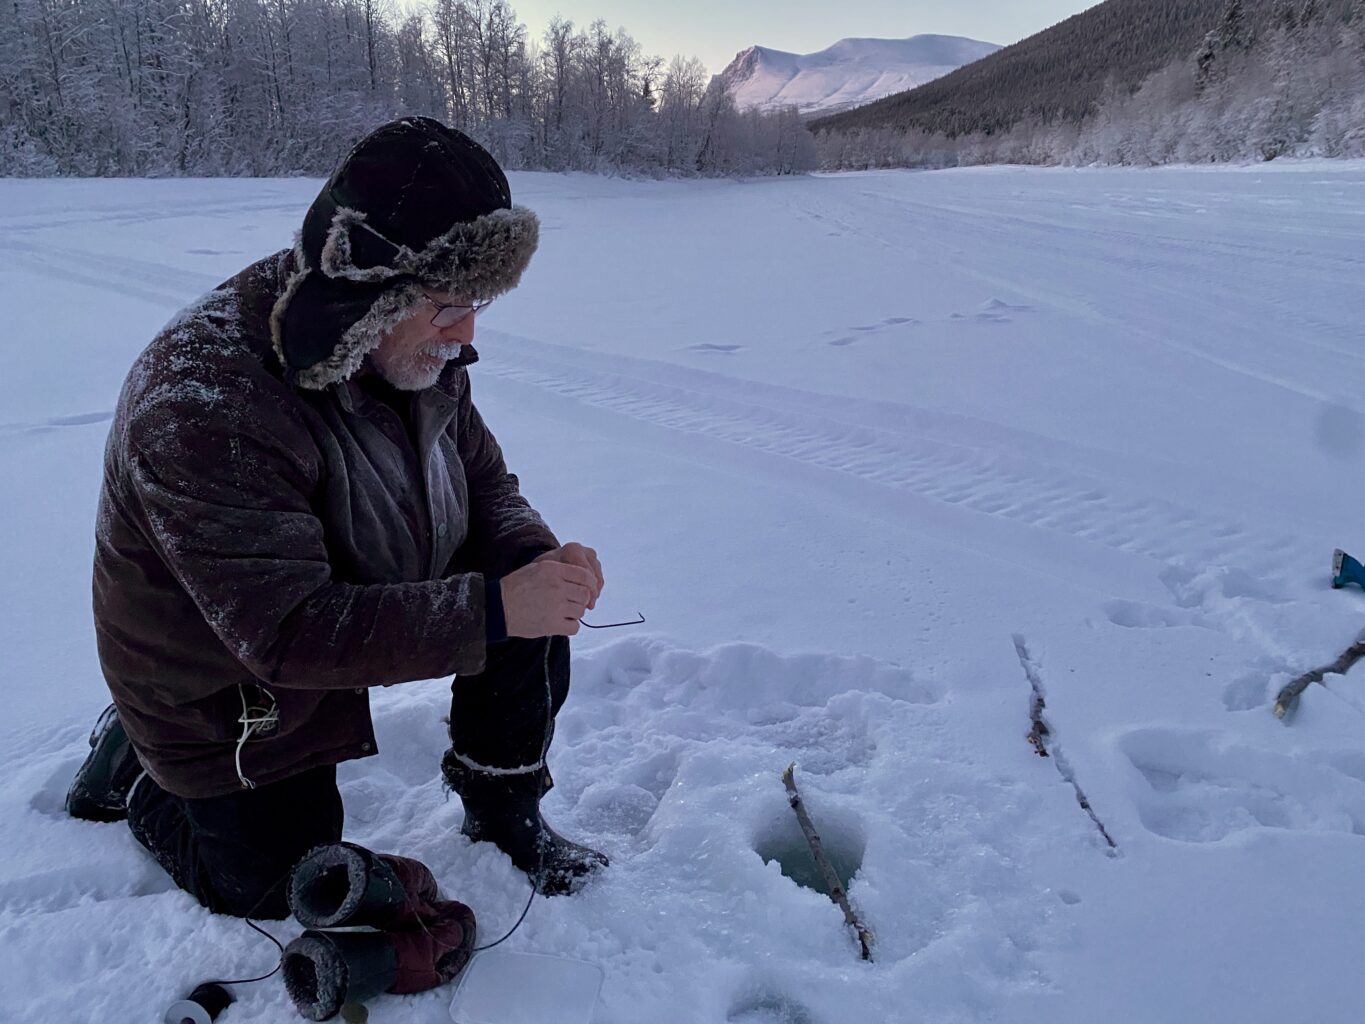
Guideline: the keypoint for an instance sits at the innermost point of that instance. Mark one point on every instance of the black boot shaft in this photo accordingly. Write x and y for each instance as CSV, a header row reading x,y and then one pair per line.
x,y
342,885
323,970
505,810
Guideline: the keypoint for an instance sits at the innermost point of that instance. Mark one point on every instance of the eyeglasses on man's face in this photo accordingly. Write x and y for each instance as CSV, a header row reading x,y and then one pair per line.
x,y
448,314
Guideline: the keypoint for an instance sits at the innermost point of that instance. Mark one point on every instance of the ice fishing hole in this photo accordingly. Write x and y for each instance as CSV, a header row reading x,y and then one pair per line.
x,y
769,1009
841,837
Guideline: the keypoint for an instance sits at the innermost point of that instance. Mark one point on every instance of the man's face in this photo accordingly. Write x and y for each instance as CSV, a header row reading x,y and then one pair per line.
x,y
412,353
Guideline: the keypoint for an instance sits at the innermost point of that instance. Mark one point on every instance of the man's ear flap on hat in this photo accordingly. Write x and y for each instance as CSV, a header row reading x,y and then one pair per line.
x,y
355,251
313,314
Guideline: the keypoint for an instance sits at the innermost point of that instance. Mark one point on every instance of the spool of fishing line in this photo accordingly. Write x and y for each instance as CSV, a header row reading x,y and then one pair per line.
x,y
202,1007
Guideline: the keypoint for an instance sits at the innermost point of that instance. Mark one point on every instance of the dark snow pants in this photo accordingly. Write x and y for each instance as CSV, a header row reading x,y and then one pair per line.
x,y
234,853
500,718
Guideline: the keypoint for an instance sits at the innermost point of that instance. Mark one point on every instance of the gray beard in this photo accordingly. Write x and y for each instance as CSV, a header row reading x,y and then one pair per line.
x,y
409,374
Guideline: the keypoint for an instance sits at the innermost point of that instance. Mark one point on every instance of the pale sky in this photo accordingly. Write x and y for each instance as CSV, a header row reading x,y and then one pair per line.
x,y
715,30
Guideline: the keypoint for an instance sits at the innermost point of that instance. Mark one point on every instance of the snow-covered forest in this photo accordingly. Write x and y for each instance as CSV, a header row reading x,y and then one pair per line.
x,y
268,87
278,87
1265,81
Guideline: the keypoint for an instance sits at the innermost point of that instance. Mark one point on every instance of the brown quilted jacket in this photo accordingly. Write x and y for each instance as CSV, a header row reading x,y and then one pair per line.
x,y
259,544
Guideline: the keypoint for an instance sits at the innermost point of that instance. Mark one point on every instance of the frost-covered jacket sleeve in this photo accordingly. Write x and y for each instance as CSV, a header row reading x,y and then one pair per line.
x,y
226,501
501,520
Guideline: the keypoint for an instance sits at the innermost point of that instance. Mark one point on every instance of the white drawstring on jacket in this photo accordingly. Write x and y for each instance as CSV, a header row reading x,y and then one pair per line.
x,y
251,725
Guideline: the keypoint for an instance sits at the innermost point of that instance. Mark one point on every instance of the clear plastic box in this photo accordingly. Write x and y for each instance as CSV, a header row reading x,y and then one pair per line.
x,y
526,988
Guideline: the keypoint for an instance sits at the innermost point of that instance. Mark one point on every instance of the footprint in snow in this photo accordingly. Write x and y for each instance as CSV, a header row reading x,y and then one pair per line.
x,y
709,347
1215,586
1000,306
1247,692
1134,615
997,311
992,311
1196,787
58,889
865,329
1350,763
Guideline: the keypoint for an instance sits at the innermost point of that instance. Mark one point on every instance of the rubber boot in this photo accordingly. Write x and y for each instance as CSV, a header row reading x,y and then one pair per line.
x,y
505,811
1346,569
322,970
342,885
424,941
99,791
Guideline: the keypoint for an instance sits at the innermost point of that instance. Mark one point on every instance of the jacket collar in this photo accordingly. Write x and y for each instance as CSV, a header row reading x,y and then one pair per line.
x,y
429,414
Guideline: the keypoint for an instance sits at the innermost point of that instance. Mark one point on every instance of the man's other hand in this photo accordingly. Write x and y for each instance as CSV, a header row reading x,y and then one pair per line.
x,y
578,554
546,598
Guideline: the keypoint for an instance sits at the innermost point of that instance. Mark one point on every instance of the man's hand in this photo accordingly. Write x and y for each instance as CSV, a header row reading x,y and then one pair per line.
x,y
546,598
581,555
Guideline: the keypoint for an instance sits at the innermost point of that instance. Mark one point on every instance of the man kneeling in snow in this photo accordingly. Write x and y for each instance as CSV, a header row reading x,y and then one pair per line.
x,y
301,502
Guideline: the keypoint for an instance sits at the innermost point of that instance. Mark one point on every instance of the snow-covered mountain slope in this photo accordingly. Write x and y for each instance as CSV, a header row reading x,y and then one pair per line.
x,y
879,457
850,72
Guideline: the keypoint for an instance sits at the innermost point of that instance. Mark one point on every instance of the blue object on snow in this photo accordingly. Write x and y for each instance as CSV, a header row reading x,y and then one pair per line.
x,y
1346,569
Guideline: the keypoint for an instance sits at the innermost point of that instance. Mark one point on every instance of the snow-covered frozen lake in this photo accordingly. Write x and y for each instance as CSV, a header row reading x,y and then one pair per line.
x,y
874,454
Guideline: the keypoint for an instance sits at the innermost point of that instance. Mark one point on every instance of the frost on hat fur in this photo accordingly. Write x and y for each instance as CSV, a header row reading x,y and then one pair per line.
x,y
477,259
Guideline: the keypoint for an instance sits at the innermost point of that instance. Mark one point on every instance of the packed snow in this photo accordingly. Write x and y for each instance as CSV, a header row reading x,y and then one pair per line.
x,y
887,460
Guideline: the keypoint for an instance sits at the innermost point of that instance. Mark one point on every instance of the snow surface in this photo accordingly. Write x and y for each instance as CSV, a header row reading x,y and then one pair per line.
x,y
871,452
849,73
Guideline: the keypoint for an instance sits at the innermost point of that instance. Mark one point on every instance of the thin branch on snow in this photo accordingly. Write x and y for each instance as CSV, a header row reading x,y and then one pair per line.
x,y
1040,734
836,887
1288,697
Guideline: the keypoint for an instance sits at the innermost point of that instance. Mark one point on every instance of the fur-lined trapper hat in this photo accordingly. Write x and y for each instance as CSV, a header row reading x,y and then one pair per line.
x,y
413,204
